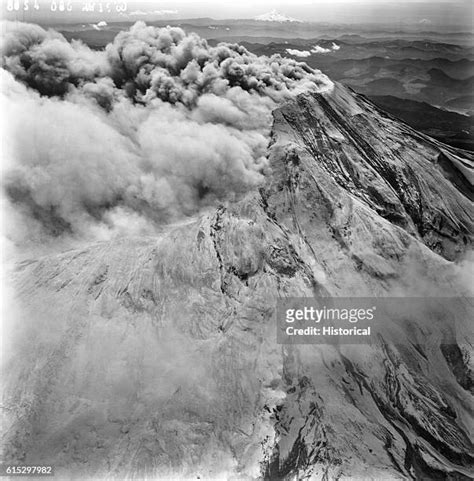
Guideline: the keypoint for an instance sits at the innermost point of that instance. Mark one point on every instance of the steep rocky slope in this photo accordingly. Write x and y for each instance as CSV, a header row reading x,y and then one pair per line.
x,y
158,356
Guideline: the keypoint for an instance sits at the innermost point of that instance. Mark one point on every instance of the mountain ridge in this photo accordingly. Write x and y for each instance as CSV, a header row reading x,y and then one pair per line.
x,y
164,347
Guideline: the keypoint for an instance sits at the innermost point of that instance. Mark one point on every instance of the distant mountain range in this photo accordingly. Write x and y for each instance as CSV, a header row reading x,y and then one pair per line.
x,y
438,73
433,72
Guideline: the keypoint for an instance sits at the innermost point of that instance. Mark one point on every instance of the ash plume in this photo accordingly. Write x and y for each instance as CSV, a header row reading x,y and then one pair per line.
x,y
156,126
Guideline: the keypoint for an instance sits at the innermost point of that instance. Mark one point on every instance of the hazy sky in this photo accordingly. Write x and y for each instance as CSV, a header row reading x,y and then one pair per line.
x,y
403,12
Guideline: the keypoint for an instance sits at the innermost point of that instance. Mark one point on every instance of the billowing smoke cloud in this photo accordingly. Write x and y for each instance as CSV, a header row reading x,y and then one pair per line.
x,y
156,126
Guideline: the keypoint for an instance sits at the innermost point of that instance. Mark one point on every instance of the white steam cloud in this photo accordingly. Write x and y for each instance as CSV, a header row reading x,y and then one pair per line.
x,y
156,126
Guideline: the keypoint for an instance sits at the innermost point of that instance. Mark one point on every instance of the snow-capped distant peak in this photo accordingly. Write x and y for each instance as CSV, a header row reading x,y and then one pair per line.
x,y
275,16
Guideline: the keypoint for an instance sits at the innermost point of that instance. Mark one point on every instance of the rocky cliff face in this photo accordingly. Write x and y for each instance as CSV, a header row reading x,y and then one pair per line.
x,y
158,356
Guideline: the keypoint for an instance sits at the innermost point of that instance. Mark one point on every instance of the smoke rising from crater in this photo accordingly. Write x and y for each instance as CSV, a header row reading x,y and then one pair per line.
x,y
156,126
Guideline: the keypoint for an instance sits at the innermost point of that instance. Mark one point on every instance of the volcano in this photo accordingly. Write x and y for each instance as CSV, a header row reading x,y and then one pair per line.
x,y
156,356
275,16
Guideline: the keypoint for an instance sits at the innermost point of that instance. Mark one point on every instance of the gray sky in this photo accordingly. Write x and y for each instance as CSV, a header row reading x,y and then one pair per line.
x,y
403,12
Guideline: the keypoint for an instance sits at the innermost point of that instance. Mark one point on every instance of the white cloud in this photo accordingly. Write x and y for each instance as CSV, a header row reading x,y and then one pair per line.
x,y
317,49
298,53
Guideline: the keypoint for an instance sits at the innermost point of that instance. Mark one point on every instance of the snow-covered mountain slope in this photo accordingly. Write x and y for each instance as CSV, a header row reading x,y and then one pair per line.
x,y
158,355
275,16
